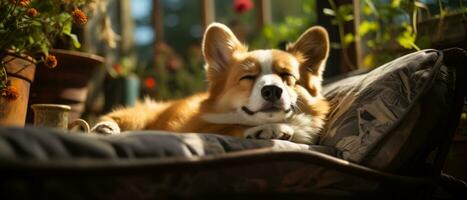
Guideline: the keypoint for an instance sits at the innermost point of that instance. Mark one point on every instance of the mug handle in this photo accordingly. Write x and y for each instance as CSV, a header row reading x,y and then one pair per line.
x,y
82,123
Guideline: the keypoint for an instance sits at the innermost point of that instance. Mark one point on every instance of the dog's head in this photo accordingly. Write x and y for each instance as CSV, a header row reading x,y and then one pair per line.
x,y
262,86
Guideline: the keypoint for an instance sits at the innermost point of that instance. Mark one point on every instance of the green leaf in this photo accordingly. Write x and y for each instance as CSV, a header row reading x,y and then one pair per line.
x,y
404,42
336,45
35,23
367,26
372,7
348,38
369,61
308,9
386,37
367,10
420,5
268,32
63,17
67,28
345,10
407,38
75,41
395,3
348,18
31,40
283,30
329,12
44,49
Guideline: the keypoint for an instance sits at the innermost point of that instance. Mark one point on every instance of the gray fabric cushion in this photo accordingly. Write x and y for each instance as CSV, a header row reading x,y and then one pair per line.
x,y
408,144
49,164
369,107
50,144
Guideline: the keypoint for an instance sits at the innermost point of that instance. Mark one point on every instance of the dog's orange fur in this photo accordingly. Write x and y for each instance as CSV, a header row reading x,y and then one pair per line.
x,y
226,90
183,115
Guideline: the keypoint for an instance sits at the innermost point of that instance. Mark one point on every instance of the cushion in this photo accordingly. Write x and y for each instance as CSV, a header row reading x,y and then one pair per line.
x,y
50,164
51,144
383,106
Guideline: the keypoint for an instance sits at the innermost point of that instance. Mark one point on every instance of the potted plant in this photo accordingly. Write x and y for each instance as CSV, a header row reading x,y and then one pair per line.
x,y
70,83
67,83
122,86
28,29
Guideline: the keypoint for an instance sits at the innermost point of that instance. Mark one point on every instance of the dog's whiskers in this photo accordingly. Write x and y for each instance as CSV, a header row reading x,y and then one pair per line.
x,y
298,106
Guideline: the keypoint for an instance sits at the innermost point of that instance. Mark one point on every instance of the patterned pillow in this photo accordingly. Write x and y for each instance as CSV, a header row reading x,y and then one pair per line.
x,y
367,107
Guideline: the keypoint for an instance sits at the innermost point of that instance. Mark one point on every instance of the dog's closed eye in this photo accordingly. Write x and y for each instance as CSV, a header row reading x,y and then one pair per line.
x,y
288,78
248,77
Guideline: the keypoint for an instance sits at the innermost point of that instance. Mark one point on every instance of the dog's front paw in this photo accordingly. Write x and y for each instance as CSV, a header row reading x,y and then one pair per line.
x,y
106,128
270,131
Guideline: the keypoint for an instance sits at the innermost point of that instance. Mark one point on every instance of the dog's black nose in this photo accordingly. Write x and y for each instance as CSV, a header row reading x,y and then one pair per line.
x,y
271,93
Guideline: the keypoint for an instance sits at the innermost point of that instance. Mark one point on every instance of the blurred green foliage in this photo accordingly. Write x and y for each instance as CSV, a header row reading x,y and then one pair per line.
x,y
388,29
174,77
277,34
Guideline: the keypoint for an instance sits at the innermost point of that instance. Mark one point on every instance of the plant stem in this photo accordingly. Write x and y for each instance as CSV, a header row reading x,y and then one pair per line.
x,y
340,28
414,17
414,46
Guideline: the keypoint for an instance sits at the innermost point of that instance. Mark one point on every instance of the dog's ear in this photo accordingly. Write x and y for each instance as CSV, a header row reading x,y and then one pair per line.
x,y
219,48
312,49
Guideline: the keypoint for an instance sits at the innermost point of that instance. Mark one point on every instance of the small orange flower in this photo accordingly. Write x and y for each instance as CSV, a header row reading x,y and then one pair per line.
x,y
51,61
79,17
32,12
10,93
23,3
118,68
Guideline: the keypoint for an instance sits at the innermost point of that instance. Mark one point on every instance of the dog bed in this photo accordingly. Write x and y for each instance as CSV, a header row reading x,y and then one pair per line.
x,y
382,128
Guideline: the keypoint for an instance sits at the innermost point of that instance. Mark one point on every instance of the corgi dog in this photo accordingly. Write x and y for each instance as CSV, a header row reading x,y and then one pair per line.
x,y
259,94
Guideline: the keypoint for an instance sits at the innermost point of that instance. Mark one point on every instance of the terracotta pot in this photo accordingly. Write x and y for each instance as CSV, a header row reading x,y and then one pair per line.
x,y
20,71
67,83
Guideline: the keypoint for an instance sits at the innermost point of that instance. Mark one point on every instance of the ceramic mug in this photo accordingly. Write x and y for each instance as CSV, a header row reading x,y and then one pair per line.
x,y
56,116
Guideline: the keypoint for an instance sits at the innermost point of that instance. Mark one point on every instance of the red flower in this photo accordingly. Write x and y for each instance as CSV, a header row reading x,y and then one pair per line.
x,y
149,83
242,6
